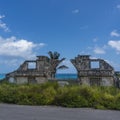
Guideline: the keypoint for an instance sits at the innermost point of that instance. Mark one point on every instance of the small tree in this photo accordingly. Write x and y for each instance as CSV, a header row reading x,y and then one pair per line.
x,y
54,62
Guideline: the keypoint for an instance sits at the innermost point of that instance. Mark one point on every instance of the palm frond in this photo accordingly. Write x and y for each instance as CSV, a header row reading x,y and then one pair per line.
x,y
63,67
50,54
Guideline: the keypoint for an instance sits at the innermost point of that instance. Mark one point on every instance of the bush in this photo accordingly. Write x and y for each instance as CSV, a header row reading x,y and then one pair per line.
x,y
36,94
107,100
67,96
7,94
117,102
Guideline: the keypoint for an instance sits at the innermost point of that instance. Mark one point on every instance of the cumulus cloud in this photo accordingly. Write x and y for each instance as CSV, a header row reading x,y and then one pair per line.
x,y
3,25
118,6
18,47
75,11
2,16
115,44
10,62
95,39
114,33
98,50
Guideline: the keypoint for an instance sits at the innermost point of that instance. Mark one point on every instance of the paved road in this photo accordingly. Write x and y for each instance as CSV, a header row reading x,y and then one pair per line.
x,y
20,112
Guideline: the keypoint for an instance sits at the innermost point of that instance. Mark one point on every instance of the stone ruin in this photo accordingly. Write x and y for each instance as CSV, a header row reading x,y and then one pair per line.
x,y
34,71
90,71
93,71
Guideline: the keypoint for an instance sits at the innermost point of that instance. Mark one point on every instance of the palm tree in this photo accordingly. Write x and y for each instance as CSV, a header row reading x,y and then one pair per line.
x,y
54,62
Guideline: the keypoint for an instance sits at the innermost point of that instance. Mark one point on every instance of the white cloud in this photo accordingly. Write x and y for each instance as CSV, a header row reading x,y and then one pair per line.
x,y
95,39
114,33
10,62
18,47
2,16
92,57
98,50
75,11
118,6
115,44
3,25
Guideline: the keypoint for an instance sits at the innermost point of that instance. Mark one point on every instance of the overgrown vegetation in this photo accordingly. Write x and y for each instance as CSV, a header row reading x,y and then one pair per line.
x,y
67,96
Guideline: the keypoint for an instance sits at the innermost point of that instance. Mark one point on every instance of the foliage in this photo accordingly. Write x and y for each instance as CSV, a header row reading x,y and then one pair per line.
x,y
55,61
68,96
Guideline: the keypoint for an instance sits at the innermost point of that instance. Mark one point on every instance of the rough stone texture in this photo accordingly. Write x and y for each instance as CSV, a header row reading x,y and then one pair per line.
x,y
85,80
40,72
35,71
93,71
44,68
41,79
21,80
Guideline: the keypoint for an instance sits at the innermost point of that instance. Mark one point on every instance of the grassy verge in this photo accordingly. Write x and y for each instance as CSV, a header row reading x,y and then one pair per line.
x,y
67,96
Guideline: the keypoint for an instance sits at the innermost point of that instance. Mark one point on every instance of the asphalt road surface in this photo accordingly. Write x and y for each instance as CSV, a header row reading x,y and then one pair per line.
x,y
20,112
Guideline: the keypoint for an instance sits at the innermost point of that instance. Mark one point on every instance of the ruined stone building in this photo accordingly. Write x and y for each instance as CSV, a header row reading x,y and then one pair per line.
x,y
90,71
117,79
37,71
93,71
34,71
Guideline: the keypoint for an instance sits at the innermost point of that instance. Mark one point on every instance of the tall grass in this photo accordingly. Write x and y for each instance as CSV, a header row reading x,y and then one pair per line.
x,y
67,96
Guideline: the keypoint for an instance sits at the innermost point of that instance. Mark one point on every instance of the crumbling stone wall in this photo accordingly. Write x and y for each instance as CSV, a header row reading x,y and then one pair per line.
x,y
24,74
44,69
101,75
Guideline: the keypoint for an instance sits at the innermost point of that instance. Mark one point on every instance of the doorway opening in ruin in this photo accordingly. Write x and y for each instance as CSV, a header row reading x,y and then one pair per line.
x,y
32,80
95,81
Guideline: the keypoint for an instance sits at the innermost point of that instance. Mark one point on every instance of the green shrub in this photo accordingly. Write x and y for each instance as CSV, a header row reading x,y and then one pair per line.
x,y
36,94
117,101
7,94
48,95
51,93
69,97
107,100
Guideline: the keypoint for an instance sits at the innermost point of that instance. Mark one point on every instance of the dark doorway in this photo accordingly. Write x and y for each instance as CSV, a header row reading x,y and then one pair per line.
x,y
95,81
32,80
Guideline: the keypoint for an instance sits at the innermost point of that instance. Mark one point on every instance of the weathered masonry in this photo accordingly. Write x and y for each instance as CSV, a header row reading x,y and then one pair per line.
x,y
90,71
37,71
34,71
93,71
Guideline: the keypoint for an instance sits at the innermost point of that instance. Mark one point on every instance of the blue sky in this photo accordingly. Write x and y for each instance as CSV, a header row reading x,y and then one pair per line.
x,y
71,27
